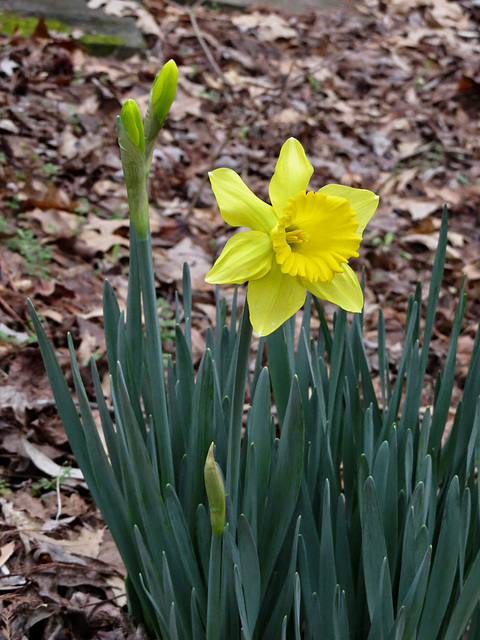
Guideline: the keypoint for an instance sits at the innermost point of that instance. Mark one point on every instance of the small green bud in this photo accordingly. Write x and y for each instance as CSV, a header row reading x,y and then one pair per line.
x,y
160,100
132,119
215,493
164,89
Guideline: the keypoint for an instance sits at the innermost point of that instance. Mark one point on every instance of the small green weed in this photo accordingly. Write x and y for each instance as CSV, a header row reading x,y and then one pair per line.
x,y
14,339
5,227
212,94
384,242
36,255
12,203
166,316
421,81
83,206
462,179
49,170
4,487
314,83
49,484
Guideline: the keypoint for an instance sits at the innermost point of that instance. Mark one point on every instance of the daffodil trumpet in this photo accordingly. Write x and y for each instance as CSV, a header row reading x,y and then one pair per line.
x,y
302,241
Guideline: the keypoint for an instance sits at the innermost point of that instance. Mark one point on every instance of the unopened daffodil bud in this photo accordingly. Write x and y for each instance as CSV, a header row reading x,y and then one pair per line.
x,y
132,119
164,89
132,145
160,100
215,493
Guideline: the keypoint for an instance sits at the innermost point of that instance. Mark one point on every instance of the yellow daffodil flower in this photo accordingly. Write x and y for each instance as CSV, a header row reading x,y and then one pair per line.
x,y
303,240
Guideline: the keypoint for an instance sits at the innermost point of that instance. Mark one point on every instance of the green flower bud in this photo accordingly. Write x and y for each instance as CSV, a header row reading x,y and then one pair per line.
x,y
160,100
164,89
215,493
132,119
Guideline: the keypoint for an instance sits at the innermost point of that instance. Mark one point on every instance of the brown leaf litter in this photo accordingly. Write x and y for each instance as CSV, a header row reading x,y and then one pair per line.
x,y
382,96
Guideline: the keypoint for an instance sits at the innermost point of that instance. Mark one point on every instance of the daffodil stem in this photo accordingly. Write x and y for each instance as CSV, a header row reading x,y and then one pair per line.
x,y
214,591
235,432
154,358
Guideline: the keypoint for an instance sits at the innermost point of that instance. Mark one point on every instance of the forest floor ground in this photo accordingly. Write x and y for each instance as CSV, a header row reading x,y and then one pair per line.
x,y
384,96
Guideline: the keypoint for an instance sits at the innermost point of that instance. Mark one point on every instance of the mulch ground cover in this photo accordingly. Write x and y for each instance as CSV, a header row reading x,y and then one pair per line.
x,y
382,95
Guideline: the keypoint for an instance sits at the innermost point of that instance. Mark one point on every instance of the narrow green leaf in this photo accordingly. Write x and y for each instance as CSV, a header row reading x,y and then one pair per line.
x,y
151,583
415,597
343,559
173,623
303,367
435,284
232,485
407,564
214,611
203,532
444,566
382,621
374,549
466,514
111,314
423,441
160,622
132,383
280,372
383,365
184,542
260,434
284,486
297,599
251,491
200,436
335,392
63,399
154,358
185,384
242,609
284,601
340,620
328,575
250,571
443,401
397,632
198,631
107,423
304,571
395,400
187,304
325,331
368,436
368,392
134,329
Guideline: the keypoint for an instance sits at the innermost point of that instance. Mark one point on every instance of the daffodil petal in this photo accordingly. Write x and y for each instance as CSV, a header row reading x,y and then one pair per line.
x,y
292,175
239,206
246,256
362,201
343,290
273,299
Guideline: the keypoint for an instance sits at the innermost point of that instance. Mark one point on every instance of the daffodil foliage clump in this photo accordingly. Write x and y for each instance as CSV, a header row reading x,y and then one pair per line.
x,y
324,512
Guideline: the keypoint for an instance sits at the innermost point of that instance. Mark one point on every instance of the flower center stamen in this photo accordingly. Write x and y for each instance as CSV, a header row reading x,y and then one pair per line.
x,y
315,236
296,236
